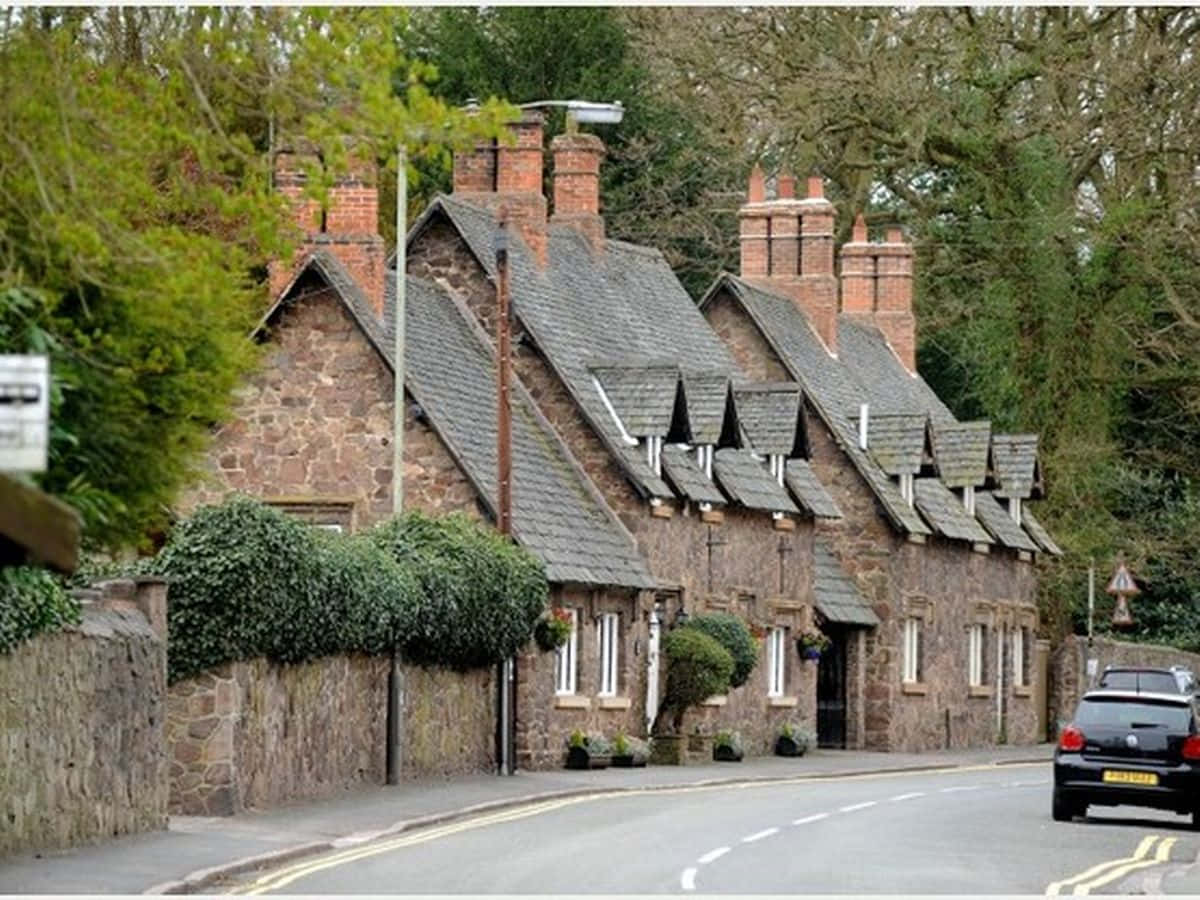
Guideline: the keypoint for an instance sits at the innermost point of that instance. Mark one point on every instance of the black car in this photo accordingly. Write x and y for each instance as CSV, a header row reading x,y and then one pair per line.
x,y
1129,748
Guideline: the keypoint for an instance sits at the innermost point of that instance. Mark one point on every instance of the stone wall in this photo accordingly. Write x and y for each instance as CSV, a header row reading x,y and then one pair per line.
x,y
1068,668
257,734
83,756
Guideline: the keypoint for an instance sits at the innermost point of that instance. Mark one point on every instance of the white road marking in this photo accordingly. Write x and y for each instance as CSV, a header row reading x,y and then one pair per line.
x,y
713,854
961,787
900,797
813,818
759,835
688,880
855,806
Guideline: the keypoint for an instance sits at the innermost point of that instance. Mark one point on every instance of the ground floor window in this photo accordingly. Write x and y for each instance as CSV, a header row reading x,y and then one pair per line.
x,y
609,641
776,659
566,662
912,650
976,655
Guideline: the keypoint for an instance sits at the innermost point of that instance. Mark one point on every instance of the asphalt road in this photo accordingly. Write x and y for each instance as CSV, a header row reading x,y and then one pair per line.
x,y
977,831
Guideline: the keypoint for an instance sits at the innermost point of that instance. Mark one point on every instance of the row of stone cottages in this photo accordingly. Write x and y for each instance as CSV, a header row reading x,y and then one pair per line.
x,y
771,451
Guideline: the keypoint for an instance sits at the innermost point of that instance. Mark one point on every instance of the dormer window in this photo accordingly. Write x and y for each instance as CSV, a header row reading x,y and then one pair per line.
x,y
907,489
968,497
1014,509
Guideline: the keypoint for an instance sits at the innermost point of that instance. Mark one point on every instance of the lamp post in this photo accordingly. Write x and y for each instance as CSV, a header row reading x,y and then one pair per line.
x,y
395,741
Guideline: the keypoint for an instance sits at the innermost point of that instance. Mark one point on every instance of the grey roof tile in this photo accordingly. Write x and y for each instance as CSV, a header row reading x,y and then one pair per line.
x,y
946,512
1038,533
960,452
802,481
770,417
896,441
747,481
643,396
837,596
1015,457
689,479
710,414
1000,524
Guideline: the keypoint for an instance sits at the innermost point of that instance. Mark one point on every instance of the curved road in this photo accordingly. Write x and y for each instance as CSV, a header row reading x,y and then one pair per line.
x,y
976,831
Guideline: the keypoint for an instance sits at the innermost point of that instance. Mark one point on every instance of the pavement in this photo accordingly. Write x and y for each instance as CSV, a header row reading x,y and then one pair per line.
x,y
195,853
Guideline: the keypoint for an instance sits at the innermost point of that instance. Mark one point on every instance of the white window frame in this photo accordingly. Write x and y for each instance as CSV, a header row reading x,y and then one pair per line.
x,y
907,489
610,641
969,499
566,660
778,464
976,643
1014,509
912,650
776,662
704,458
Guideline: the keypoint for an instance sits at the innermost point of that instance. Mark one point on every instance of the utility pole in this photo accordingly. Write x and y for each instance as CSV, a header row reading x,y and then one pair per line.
x,y
506,671
395,736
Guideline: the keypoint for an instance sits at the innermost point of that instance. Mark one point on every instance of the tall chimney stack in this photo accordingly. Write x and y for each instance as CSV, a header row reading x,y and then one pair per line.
x,y
577,159
876,285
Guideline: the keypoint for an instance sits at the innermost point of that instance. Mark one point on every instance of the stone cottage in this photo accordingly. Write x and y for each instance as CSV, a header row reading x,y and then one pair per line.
x,y
669,459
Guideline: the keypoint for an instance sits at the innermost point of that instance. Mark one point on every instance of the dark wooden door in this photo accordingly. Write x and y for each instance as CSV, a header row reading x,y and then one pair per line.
x,y
831,691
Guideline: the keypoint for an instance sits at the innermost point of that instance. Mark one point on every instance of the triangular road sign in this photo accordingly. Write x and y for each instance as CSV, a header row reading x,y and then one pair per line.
x,y
1122,582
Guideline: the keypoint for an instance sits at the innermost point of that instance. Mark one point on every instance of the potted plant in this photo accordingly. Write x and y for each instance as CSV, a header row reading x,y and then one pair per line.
x,y
793,740
629,752
727,746
812,644
588,751
552,631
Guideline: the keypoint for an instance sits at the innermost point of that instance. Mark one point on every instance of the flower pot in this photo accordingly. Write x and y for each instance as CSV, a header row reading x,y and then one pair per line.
x,y
580,758
725,753
628,761
810,653
786,746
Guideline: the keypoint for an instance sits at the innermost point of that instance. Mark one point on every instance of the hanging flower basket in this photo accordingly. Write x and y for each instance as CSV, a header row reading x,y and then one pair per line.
x,y
811,644
553,631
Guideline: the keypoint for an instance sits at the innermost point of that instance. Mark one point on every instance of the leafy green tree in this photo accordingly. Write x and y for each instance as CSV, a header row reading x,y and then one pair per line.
x,y
731,633
697,668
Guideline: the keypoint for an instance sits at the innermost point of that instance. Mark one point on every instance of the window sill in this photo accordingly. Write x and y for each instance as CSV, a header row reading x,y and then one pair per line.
x,y
980,690
614,702
716,700
783,701
916,688
1022,690
572,701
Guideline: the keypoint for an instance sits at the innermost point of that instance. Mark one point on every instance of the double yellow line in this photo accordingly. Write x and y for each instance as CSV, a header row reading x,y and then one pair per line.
x,y
1105,872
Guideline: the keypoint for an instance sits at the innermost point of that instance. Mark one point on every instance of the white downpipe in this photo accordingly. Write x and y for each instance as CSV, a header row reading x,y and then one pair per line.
x,y
652,664
999,680
625,435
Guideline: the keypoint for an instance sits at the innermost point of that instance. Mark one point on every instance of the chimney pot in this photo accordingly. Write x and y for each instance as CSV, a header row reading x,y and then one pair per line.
x,y
816,187
787,187
895,235
859,232
757,191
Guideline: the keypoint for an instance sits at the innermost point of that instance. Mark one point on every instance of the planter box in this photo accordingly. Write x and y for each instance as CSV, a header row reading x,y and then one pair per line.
x,y
727,754
786,746
629,761
580,758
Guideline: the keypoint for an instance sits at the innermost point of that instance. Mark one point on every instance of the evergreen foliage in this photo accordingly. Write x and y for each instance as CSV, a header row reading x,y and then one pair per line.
x,y
32,601
731,633
697,668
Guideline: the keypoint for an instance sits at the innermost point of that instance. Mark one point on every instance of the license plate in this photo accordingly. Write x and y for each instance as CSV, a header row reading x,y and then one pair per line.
x,y
1113,776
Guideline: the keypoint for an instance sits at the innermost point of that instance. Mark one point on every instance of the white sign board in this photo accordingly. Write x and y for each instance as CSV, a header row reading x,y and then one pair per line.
x,y
24,413
1093,666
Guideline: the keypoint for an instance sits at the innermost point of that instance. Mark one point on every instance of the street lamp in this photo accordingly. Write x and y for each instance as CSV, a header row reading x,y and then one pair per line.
x,y
587,111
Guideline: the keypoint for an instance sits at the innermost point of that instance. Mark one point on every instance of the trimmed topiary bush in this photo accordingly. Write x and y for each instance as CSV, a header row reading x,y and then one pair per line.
x,y
32,600
697,667
480,595
731,633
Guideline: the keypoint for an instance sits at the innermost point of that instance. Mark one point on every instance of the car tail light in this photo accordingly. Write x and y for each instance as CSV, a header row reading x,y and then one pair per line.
x,y
1071,739
1191,747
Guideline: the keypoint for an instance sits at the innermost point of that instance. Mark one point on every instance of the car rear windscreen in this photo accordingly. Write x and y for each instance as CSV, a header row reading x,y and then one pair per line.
x,y
1154,682
1112,713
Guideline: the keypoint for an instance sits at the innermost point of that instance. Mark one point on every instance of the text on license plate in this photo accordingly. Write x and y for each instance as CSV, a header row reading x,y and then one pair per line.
x,y
1114,776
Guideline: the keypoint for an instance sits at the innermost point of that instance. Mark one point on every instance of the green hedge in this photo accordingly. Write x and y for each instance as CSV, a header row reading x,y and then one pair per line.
x,y
32,600
731,633
480,594
697,668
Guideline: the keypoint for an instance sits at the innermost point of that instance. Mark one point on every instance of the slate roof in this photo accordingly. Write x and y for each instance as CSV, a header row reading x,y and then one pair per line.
x,y
837,596
747,481
557,513
960,452
946,513
708,405
1000,524
689,479
802,481
896,442
624,302
1038,533
1015,459
770,417
643,396
833,389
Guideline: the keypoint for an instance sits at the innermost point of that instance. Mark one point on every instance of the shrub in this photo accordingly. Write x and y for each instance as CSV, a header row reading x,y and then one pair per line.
x,y
731,633
697,667
480,595
32,600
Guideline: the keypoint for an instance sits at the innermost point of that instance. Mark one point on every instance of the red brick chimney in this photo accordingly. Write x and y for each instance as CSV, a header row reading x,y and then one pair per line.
x,y
877,287
509,174
577,160
787,248
349,228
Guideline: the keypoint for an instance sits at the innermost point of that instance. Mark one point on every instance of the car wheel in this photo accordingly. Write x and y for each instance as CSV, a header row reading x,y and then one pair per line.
x,y
1061,809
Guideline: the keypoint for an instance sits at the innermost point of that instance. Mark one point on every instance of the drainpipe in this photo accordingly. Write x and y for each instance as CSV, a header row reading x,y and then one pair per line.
x,y
999,681
506,671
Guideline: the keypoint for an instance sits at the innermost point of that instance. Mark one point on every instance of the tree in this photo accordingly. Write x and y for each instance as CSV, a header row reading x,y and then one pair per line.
x,y
138,215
